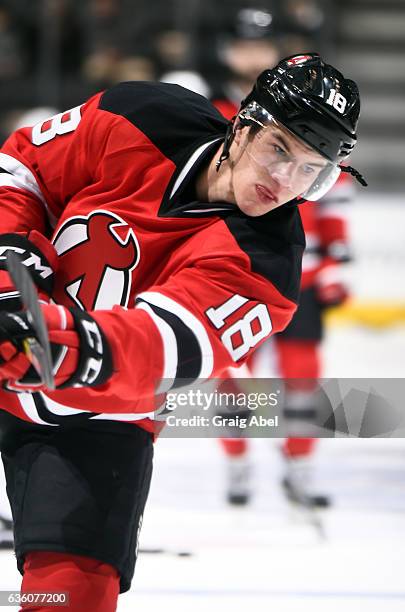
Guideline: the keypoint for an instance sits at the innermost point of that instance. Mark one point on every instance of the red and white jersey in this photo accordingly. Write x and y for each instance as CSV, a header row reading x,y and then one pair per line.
x,y
183,289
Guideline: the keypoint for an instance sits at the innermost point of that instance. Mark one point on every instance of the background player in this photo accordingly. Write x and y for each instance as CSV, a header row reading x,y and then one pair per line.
x,y
253,38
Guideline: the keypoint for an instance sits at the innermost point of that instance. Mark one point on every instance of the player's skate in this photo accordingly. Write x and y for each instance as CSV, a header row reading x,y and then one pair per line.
x,y
238,480
298,485
6,533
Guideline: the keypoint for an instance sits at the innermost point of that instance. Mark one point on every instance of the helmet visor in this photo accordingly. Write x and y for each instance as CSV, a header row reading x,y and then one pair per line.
x,y
288,160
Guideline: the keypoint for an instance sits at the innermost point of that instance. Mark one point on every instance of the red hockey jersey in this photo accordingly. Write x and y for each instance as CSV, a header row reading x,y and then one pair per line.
x,y
183,289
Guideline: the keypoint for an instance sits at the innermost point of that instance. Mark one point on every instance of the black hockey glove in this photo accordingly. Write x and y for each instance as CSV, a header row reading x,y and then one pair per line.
x,y
80,351
40,259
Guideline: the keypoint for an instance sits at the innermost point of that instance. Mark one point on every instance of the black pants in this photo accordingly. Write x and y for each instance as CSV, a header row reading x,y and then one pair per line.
x,y
80,490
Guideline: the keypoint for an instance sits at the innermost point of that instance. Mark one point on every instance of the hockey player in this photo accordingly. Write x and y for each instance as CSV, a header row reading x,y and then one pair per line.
x,y
159,239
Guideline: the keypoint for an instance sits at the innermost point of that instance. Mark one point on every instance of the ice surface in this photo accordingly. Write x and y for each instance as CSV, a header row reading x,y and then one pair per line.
x,y
268,555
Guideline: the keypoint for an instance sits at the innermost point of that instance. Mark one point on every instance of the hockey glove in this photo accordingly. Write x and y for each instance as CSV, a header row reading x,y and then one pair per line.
x,y
39,257
330,287
80,352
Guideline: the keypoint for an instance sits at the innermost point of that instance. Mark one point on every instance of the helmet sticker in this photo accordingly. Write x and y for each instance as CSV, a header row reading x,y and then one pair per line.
x,y
298,59
337,100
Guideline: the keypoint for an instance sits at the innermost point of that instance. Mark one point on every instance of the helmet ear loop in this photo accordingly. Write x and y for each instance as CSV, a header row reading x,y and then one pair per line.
x,y
229,136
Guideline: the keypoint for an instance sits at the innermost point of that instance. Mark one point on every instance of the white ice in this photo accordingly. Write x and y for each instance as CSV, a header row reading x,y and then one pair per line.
x,y
269,556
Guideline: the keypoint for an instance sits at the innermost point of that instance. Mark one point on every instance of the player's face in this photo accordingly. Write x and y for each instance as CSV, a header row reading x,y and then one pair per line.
x,y
271,167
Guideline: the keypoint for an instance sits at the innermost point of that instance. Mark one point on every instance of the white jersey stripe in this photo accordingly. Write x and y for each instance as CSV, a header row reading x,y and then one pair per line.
x,y
27,402
62,410
205,210
189,164
19,176
124,416
28,405
170,351
191,321
10,294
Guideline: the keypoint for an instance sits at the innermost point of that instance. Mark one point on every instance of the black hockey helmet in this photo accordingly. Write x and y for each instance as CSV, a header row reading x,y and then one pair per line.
x,y
314,101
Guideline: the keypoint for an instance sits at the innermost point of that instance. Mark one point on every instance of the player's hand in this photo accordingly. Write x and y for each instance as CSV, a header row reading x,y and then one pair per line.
x,y
80,352
330,286
40,259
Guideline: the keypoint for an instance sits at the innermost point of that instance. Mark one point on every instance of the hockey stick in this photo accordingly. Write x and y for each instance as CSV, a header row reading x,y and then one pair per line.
x,y
38,350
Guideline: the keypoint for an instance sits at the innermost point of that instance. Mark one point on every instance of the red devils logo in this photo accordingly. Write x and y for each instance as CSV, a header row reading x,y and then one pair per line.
x,y
97,254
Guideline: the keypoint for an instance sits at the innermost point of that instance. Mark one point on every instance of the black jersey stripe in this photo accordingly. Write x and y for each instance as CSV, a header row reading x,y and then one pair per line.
x,y
188,347
56,419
